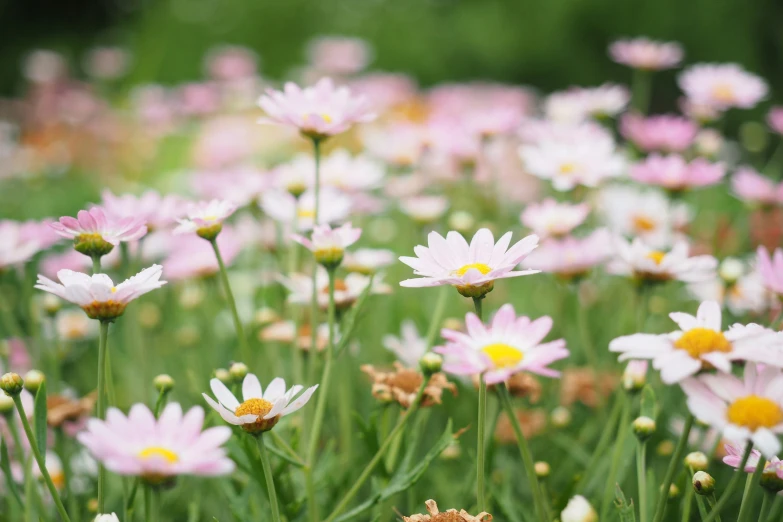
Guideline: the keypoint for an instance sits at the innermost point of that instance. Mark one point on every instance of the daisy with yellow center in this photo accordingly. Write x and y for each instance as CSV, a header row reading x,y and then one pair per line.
x,y
205,218
508,345
260,410
471,268
747,409
700,344
644,263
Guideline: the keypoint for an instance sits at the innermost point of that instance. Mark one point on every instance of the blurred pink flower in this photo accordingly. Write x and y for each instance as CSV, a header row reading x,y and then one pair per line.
x,y
229,63
771,269
398,144
424,209
664,133
448,138
339,55
571,256
580,103
752,187
646,54
552,218
203,215
107,63
70,260
17,245
508,345
673,172
198,99
96,223
241,185
43,67
319,111
190,256
723,86
158,450
225,141
775,119
333,206
385,91
156,210
642,262
326,239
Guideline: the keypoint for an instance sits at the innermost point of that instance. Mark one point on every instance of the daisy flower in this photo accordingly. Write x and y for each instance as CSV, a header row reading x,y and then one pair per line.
x,y
328,244
552,218
16,247
157,211
205,218
158,450
260,411
318,112
509,345
664,133
347,290
368,260
96,234
409,346
674,173
741,295
643,53
752,187
471,268
578,509
333,206
339,55
722,86
97,295
734,455
350,173
424,209
743,409
701,344
400,143
240,185
580,103
647,264
771,269
571,257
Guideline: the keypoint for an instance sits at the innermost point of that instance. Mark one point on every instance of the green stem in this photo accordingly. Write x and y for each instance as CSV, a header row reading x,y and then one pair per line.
x,y
766,504
40,459
132,498
320,409
160,402
378,455
688,500
712,502
96,264
700,503
245,350
603,442
641,479
102,349
619,444
482,428
479,309
673,464
748,494
316,208
776,511
524,451
286,448
148,504
270,481
724,498
437,316
640,90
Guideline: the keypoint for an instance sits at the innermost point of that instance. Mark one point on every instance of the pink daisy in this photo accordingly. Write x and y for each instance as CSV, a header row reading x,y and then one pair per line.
x,y
156,210
673,172
646,54
571,257
328,244
771,269
552,218
722,86
93,232
665,133
752,187
509,345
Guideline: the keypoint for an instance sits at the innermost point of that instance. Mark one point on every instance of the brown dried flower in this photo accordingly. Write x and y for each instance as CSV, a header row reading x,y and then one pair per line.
x,y
452,515
402,384
68,413
532,423
586,386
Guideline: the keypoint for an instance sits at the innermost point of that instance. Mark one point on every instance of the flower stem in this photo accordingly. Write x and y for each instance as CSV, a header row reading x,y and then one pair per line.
x,y
673,464
614,467
103,342
748,494
641,479
437,316
766,504
775,511
245,351
482,428
147,503
724,498
524,450
316,205
270,481
640,90
711,501
40,459
320,409
96,264
378,455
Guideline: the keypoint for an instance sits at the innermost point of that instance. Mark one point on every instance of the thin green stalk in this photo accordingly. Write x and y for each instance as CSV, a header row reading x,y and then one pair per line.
x,y
437,316
40,459
748,495
673,465
614,467
148,504
316,208
688,500
700,503
524,451
270,481
244,348
132,498
482,428
641,479
641,89
766,504
320,409
724,498
287,448
378,455
102,349
603,441
96,264
711,501
160,402
776,511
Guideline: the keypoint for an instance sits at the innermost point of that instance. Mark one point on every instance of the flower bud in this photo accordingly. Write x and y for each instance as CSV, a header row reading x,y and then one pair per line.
x,y
430,363
703,483
6,405
697,461
33,380
542,469
237,371
223,376
209,232
635,376
461,221
578,509
476,291
264,316
643,427
452,451
330,258
106,518
674,492
51,304
561,417
11,384
92,245
771,477
665,448
731,269
163,383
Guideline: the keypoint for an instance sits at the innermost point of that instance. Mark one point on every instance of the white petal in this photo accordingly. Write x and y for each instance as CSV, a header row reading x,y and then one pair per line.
x,y
251,387
223,394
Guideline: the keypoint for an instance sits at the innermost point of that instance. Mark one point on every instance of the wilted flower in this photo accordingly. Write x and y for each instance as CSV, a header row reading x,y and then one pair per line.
x,y
532,422
552,218
701,344
452,515
664,133
97,295
205,218
674,173
68,413
95,234
402,384
649,265
752,187
722,86
260,411
586,385
643,53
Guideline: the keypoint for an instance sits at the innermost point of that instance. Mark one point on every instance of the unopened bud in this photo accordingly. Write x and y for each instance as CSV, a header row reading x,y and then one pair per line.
x,y
731,269
430,363
11,384
643,427
237,371
6,405
33,380
163,383
674,492
264,316
92,245
452,451
107,518
51,304
697,461
771,478
542,469
561,417
703,483
635,376
665,448
223,376
461,221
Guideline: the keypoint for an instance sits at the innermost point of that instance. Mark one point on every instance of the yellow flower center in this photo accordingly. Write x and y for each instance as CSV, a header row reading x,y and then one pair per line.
x,y
258,407
157,451
643,223
58,479
754,412
723,92
503,355
325,117
567,168
481,267
657,256
305,213
209,218
700,341
113,289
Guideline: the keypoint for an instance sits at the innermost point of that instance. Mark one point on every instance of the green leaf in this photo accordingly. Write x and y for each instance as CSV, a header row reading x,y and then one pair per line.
x,y
624,507
39,421
403,479
5,464
648,402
